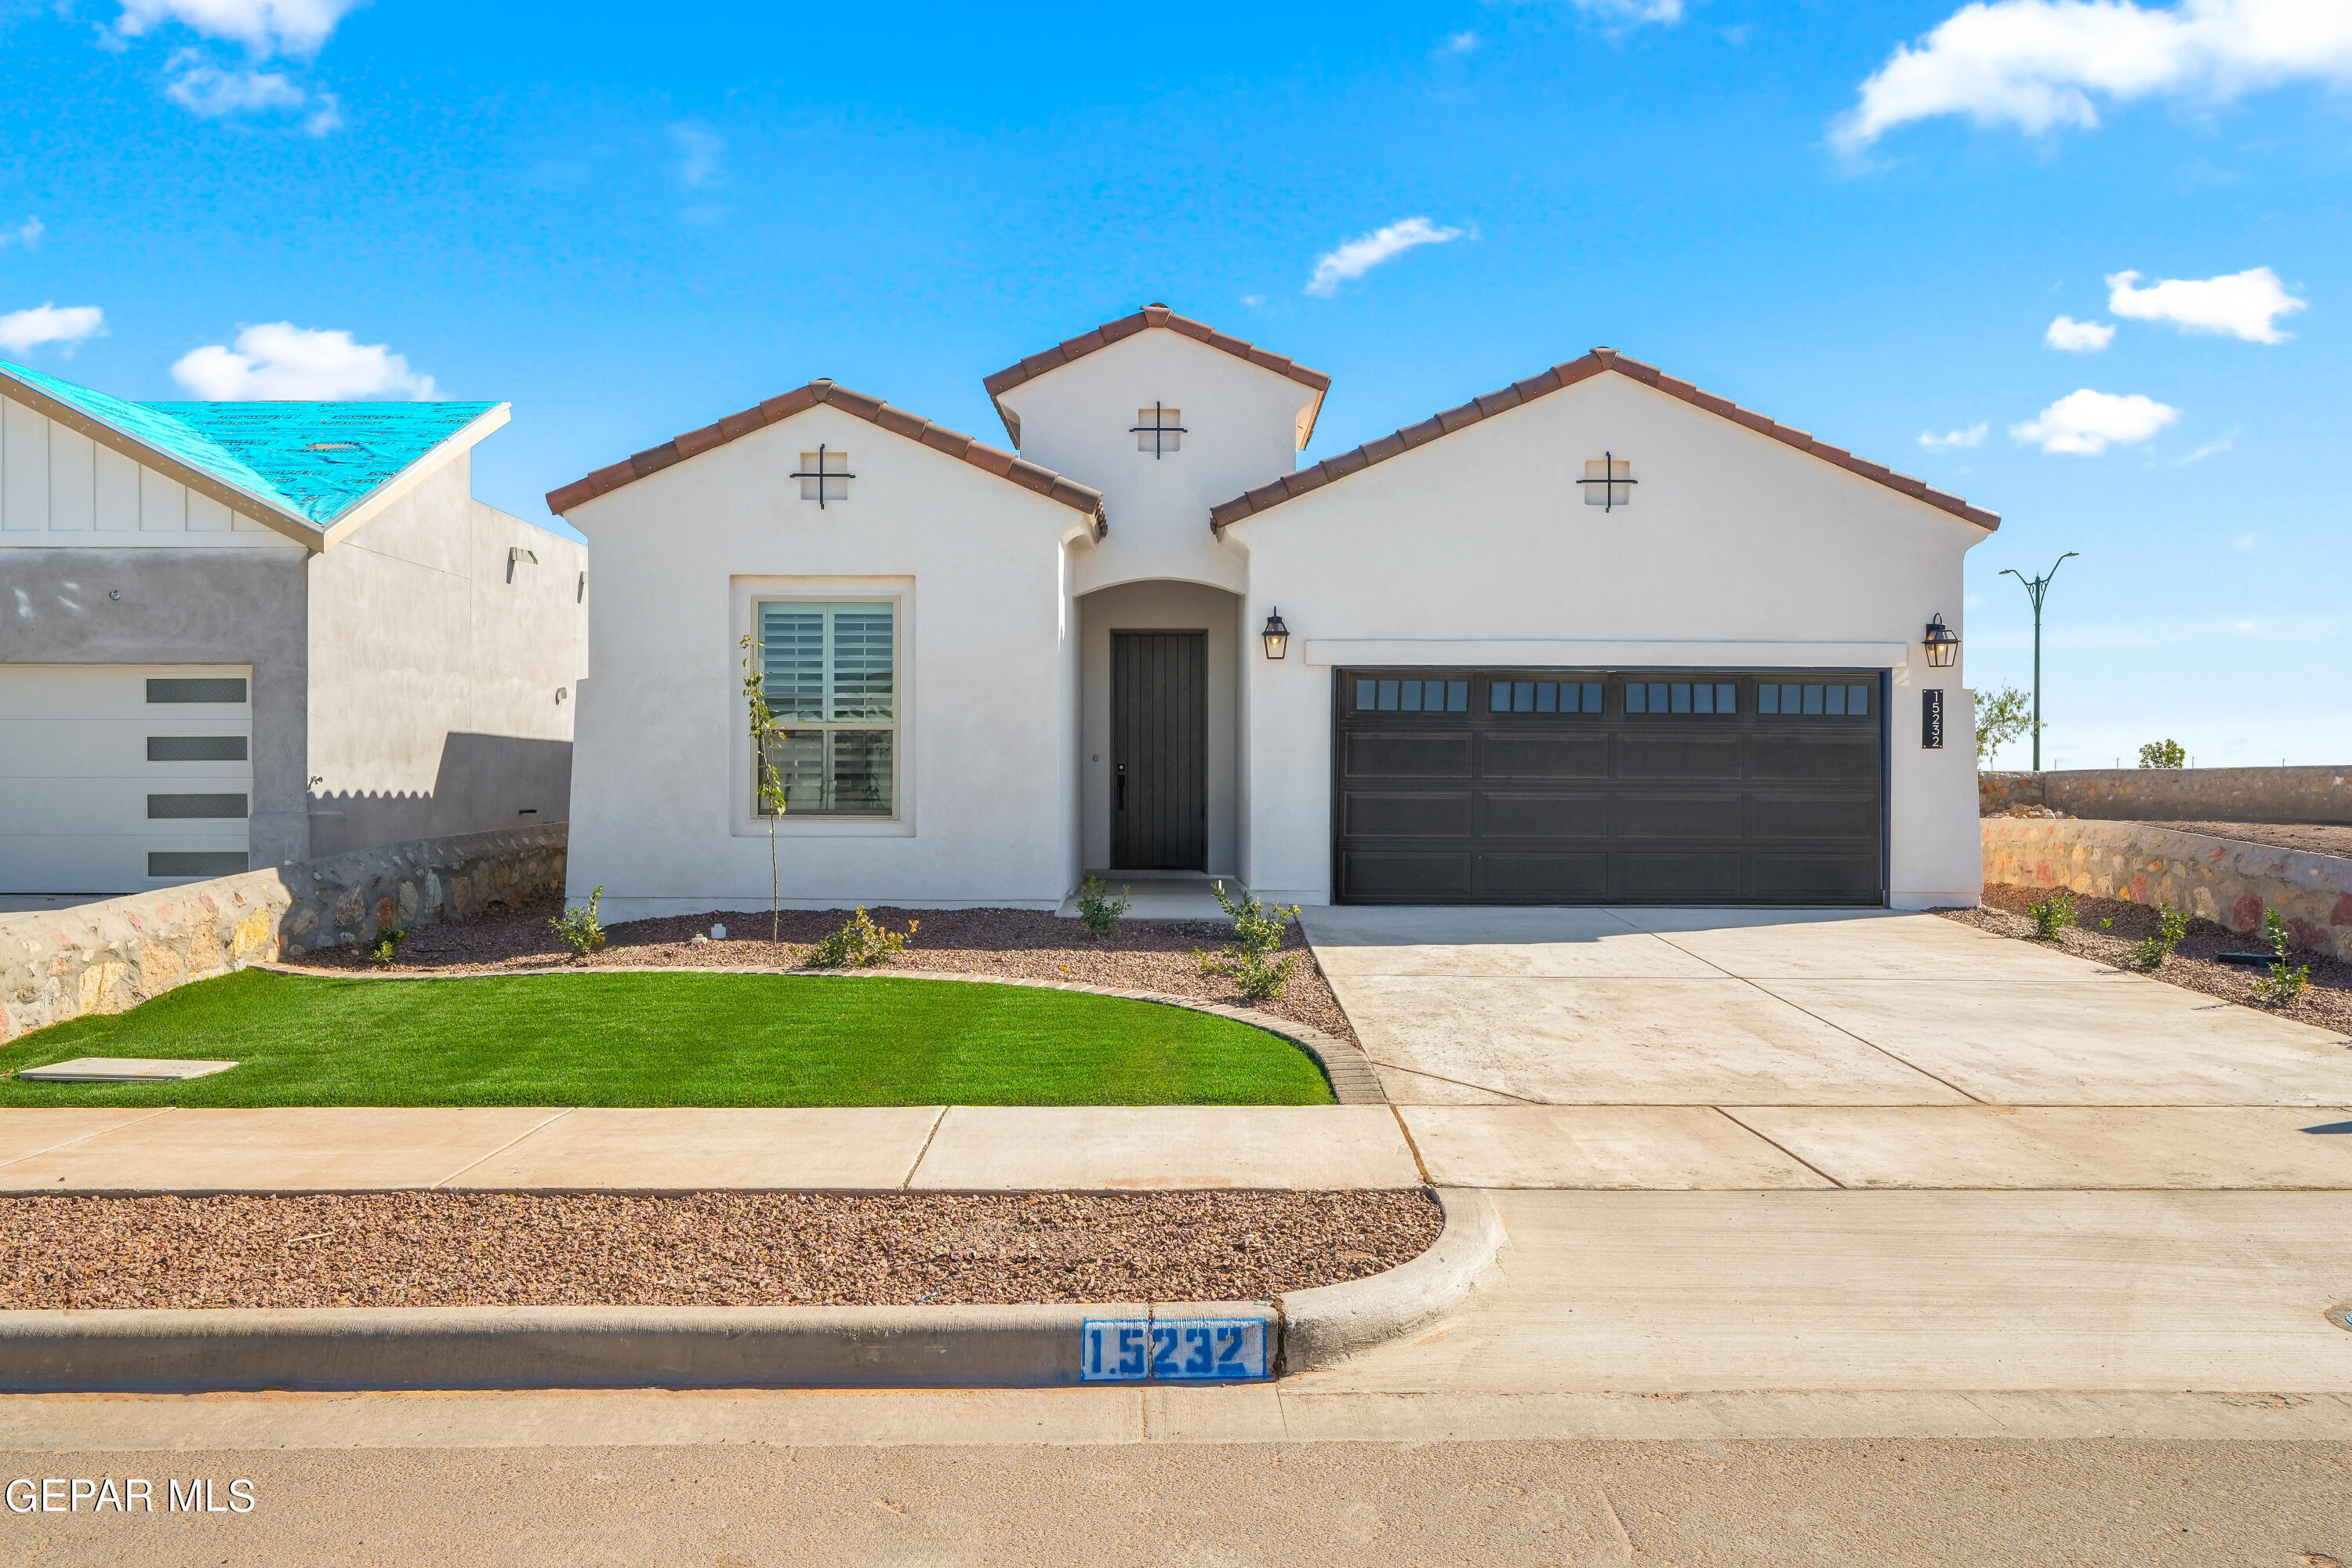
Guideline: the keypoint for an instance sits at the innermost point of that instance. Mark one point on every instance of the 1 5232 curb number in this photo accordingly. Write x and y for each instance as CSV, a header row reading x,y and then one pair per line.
x,y
1183,1350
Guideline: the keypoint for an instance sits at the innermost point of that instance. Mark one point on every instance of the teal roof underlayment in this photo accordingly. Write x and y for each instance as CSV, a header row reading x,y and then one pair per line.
x,y
312,461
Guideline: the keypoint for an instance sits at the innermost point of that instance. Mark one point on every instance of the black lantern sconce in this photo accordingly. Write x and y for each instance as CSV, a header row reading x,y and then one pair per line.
x,y
1942,642
1276,635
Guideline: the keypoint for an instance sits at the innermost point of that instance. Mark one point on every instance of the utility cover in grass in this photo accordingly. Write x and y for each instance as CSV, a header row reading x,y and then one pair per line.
x,y
669,1039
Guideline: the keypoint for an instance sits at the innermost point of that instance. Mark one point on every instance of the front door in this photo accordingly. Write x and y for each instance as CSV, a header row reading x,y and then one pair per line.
x,y
1159,750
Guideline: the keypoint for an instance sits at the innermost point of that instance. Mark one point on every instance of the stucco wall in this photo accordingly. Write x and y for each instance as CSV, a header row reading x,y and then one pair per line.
x,y
434,705
109,957
1162,606
662,804
1737,551
2218,879
184,606
2178,795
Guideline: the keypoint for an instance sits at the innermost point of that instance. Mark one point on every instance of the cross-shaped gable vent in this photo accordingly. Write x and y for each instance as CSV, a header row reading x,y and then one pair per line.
x,y
824,476
1158,429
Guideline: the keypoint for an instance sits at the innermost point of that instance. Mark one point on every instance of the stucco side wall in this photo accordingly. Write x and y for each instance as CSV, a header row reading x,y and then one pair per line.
x,y
184,607
662,804
1162,608
1240,431
1477,549
435,680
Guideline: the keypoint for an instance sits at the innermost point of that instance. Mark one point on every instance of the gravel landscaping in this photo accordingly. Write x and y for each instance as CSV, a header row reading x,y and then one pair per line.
x,y
2327,1003
2317,838
740,1249
1027,945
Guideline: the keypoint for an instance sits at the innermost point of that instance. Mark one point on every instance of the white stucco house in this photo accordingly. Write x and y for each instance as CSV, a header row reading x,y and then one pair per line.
x,y
1597,638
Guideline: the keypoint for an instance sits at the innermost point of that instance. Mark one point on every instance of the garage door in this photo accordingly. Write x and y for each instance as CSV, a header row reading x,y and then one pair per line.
x,y
122,777
1608,786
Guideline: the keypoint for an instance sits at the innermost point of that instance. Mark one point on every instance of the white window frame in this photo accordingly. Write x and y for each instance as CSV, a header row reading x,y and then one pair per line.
x,y
749,594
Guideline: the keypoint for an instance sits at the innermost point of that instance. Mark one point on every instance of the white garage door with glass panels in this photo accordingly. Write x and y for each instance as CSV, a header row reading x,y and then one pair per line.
x,y
122,777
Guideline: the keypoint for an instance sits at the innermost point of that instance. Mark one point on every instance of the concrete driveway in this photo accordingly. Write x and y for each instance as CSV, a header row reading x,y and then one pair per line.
x,y
1745,1049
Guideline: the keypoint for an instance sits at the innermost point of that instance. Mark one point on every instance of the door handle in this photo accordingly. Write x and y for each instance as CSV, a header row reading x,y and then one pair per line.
x,y
1122,786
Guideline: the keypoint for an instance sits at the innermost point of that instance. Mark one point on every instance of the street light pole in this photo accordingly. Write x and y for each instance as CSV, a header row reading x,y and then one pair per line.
x,y
2036,588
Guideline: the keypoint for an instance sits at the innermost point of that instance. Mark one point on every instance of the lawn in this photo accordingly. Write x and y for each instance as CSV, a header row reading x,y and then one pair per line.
x,y
669,1039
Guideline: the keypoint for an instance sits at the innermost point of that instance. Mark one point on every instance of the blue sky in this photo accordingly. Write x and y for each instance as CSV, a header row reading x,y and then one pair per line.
x,y
1861,220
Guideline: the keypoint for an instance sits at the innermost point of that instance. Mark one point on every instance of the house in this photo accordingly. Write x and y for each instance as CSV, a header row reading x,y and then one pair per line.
x,y
237,635
1598,637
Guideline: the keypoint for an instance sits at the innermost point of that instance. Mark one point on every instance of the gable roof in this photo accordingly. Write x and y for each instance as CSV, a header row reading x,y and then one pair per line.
x,y
1029,476
306,469
1564,375
1150,316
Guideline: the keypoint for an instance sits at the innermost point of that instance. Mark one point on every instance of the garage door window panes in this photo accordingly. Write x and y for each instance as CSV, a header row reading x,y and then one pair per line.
x,y
1543,696
832,679
1672,697
1785,699
1413,696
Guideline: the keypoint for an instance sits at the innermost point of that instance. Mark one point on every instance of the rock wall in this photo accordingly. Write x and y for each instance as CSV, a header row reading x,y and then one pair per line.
x,y
57,965
2176,795
2220,879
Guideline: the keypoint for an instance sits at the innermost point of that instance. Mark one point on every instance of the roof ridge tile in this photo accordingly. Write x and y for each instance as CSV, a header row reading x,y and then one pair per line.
x,y
1122,327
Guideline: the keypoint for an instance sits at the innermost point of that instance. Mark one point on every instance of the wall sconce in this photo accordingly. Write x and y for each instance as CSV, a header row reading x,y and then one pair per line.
x,y
1276,635
1942,642
517,553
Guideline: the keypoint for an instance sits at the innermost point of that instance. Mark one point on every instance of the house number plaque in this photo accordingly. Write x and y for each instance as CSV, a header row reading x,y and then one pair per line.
x,y
1931,718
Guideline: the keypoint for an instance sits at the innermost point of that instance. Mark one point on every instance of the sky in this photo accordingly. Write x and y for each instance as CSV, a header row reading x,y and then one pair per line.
x,y
2081,263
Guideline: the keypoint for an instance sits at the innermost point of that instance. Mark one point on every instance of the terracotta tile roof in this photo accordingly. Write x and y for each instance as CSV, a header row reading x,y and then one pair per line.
x,y
1152,316
1003,465
1552,380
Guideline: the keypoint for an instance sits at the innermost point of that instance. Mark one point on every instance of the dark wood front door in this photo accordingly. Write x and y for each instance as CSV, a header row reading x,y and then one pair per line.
x,y
1159,750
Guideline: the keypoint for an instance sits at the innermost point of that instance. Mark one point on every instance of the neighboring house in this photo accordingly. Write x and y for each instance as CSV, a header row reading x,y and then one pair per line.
x,y
241,634
1597,638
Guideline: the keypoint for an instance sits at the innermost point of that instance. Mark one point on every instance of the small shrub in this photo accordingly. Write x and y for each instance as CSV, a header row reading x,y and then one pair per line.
x,y
2164,754
2171,925
2286,981
859,943
2052,916
1098,910
1249,962
581,931
387,946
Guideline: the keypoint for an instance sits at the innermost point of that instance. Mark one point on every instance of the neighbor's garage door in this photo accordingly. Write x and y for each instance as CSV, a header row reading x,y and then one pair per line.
x,y
1564,787
117,777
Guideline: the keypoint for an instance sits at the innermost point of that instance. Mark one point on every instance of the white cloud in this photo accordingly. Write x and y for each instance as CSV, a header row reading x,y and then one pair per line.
x,y
2086,423
46,324
2238,304
1973,436
1666,11
2039,64
1366,251
1254,301
2247,541
208,89
280,360
2223,444
26,233
296,27
2078,337
1458,44
697,156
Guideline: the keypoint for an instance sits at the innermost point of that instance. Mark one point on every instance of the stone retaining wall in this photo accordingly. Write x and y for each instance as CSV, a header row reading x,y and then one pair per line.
x,y
57,965
2176,795
2220,880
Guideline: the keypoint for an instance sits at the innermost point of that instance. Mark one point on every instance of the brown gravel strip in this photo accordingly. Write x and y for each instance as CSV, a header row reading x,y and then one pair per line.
x,y
2316,838
1025,945
730,1249
2327,1003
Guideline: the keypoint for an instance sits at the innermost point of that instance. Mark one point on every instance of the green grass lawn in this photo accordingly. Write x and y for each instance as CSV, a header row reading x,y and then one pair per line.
x,y
669,1039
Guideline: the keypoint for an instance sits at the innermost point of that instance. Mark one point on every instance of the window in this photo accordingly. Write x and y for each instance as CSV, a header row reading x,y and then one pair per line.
x,y
194,862
824,476
831,680
201,688
1543,696
161,807
1413,696
1789,700
195,749
1608,482
1158,429
1681,696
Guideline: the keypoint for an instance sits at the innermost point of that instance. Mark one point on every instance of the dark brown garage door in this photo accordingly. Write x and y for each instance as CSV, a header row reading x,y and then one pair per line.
x,y
1608,786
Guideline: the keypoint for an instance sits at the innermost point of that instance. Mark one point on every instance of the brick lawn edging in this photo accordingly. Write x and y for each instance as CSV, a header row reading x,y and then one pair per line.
x,y
2221,879
1349,1070
107,957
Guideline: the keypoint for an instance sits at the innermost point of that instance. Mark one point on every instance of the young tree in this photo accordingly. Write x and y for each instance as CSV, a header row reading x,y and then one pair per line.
x,y
765,732
2003,716
2164,754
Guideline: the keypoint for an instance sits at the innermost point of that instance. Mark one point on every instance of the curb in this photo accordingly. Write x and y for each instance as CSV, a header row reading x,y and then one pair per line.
x,y
234,1350
1346,1067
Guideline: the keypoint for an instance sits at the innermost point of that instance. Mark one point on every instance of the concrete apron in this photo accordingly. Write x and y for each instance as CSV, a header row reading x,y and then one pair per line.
x,y
228,1349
